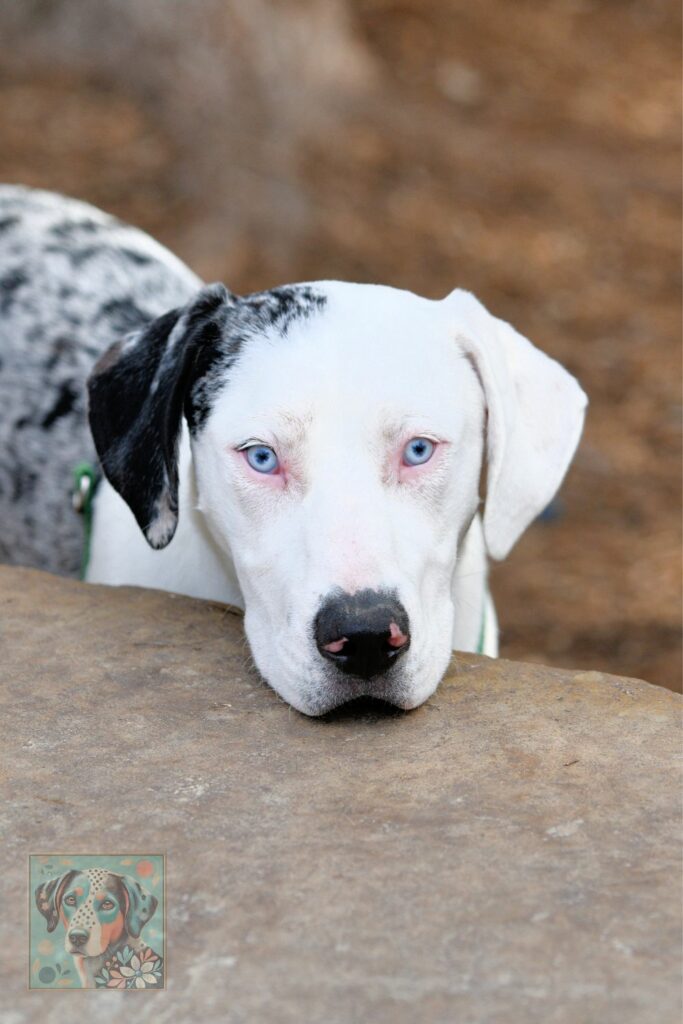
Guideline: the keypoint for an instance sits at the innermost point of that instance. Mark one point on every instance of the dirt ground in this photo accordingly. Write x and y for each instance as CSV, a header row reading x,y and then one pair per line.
x,y
527,151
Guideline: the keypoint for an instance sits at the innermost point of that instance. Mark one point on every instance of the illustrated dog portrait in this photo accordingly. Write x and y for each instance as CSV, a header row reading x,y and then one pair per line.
x,y
103,914
312,453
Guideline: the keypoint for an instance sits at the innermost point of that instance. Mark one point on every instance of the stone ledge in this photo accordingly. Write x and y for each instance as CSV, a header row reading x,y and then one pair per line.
x,y
507,852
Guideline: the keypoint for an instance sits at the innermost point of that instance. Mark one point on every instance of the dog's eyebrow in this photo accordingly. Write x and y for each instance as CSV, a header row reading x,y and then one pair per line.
x,y
395,429
295,426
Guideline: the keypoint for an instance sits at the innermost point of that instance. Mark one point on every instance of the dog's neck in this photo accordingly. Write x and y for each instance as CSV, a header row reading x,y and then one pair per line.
x,y
88,967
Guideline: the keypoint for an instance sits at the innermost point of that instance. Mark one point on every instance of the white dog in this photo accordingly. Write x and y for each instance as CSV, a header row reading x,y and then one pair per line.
x,y
329,479
313,454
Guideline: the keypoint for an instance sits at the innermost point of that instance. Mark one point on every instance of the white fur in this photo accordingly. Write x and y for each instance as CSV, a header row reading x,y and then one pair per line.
x,y
335,397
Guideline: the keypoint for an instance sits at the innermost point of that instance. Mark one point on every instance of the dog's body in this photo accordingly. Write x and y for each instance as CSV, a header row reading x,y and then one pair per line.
x,y
102,913
311,454
72,281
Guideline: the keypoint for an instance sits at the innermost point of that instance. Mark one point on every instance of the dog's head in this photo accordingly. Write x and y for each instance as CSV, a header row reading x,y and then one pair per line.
x,y
97,908
338,433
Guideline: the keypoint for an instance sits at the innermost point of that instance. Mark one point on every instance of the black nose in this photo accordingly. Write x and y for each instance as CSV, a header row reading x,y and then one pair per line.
x,y
78,937
364,633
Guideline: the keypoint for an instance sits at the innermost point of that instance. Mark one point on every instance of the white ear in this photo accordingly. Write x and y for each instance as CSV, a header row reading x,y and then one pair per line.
x,y
535,413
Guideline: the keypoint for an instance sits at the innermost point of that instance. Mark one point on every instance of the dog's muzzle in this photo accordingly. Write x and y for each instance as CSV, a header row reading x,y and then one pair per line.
x,y
78,938
362,634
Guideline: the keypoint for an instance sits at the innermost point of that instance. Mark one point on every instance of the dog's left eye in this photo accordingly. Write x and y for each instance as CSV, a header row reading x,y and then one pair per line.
x,y
418,451
107,905
262,458
70,901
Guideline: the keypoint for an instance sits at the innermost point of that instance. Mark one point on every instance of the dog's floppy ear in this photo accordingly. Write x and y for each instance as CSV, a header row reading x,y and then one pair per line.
x,y
138,392
49,897
141,905
535,413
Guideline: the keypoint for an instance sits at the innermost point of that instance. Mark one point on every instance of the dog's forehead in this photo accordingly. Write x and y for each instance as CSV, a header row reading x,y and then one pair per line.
x,y
341,342
96,878
338,313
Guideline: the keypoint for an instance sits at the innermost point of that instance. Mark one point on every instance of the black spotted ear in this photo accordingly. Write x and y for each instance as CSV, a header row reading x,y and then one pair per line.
x,y
140,905
49,897
138,392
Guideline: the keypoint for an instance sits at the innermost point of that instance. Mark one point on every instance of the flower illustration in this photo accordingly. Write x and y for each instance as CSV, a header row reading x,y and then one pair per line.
x,y
116,980
143,969
123,955
128,969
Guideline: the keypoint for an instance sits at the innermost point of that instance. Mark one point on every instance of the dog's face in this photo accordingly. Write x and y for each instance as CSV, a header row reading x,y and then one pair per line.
x,y
97,907
338,435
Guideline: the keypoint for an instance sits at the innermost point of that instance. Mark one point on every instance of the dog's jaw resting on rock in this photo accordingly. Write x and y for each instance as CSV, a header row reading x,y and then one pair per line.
x,y
298,446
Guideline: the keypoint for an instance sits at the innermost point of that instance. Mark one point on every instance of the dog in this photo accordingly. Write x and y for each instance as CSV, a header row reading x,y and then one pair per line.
x,y
311,453
103,914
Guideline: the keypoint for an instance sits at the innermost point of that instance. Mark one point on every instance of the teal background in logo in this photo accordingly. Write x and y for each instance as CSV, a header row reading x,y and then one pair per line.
x,y
50,966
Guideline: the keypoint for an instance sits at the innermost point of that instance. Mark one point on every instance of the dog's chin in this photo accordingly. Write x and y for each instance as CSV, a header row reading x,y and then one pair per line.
x,y
328,696
84,951
315,690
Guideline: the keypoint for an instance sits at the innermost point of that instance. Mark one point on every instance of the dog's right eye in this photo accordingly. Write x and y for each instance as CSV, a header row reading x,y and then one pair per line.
x,y
70,901
262,458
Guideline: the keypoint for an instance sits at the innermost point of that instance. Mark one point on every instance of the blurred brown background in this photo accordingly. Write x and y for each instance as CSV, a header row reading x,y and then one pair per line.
x,y
526,150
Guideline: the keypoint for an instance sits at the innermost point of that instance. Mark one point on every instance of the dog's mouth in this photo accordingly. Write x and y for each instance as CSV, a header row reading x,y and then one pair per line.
x,y
78,950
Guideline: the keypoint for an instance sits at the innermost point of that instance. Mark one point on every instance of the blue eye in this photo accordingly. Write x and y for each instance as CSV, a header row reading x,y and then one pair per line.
x,y
262,459
418,451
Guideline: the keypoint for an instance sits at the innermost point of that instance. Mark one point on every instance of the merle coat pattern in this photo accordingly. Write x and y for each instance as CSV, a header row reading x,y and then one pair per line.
x,y
74,281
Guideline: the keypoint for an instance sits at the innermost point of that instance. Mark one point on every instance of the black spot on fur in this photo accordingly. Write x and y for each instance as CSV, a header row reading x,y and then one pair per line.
x,y
68,228
76,255
9,285
6,223
23,483
139,259
123,315
66,399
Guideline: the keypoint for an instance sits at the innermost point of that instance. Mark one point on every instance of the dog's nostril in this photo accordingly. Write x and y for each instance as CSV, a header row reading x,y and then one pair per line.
x,y
78,938
396,637
363,634
336,645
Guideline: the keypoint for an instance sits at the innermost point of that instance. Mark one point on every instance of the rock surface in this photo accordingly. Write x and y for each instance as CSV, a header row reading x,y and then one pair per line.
x,y
509,852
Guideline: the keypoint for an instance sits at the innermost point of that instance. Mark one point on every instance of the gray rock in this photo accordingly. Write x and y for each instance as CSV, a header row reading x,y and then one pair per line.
x,y
509,852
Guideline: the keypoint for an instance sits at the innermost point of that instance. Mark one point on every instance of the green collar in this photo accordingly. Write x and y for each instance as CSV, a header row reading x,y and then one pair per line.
x,y
482,628
86,480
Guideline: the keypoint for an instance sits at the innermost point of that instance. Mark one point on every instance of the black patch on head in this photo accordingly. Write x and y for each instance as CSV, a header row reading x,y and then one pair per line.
x,y
276,309
174,366
280,307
